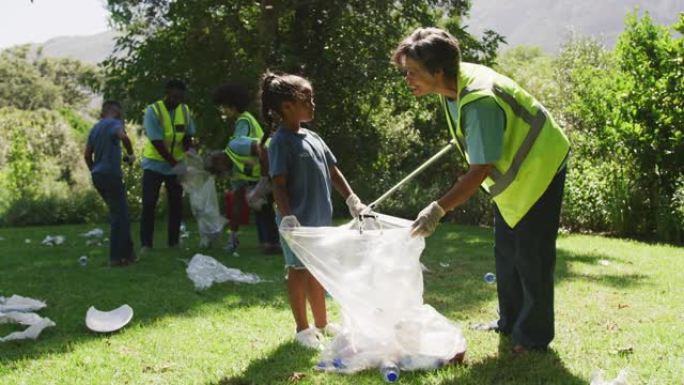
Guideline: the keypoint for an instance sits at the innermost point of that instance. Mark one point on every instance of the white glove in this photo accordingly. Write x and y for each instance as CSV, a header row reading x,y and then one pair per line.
x,y
355,206
427,220
289,222
256,196
179,169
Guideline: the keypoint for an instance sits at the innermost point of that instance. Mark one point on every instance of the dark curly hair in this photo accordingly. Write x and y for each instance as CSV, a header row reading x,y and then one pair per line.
x,y
231,95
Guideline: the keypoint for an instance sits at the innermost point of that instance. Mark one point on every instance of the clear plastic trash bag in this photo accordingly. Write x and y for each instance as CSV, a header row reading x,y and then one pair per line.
x,y
200,186
376,277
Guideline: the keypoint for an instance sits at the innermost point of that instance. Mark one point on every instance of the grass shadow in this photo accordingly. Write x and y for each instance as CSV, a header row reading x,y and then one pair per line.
x,y
155,287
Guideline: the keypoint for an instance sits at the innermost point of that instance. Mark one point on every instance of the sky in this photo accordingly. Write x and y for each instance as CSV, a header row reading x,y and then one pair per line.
x,y
24,22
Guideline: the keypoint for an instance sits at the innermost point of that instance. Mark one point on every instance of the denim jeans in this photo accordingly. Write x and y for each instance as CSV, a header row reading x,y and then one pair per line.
x,y
525,263
113,191
152,182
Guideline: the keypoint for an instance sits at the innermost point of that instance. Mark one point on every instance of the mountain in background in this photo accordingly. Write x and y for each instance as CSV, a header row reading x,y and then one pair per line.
x,y
89,49
543,23
549,23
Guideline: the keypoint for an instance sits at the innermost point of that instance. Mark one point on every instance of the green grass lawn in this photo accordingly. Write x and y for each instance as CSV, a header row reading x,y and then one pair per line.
x,y
619,304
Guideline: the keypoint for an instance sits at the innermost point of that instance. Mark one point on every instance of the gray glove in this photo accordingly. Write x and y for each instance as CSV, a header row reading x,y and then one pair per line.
x,y
289,222
355,205
427,220
256,196
180,168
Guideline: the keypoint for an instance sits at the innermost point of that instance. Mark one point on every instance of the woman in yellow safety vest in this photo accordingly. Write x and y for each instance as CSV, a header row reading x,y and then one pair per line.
x,y
517,153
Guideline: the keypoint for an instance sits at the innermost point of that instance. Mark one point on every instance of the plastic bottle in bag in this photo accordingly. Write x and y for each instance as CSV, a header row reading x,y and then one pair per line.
x,y
420,361
389,371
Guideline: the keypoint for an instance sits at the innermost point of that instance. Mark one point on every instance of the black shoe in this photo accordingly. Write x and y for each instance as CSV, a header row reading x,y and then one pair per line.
x,y
119,263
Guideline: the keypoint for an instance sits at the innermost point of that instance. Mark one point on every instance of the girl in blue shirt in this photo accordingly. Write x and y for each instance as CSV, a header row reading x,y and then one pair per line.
x,y
303,172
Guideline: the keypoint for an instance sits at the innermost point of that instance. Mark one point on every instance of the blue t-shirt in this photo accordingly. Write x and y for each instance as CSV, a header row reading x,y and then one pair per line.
x,y
241,142
104,140
483,124
155,131
304,160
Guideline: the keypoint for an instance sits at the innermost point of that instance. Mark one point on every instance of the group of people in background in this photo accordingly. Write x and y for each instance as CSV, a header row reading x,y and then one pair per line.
x,y
514,150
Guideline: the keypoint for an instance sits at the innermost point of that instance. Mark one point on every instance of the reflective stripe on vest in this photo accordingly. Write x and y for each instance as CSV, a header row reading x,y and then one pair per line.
x,y
524,171
246,167
173,139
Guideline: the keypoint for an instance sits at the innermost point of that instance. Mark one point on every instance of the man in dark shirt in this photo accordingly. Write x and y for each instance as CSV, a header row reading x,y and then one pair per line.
x,y
103,157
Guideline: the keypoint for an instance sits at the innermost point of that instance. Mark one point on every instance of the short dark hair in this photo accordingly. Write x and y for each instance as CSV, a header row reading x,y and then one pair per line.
x,y
175,84
109,104
436,49
232,95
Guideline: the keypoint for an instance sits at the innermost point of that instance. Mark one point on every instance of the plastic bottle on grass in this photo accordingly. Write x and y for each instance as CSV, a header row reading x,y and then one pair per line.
x,y
389,371
490,278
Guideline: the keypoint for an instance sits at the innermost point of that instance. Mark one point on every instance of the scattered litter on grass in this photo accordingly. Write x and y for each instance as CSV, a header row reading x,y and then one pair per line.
x,y
35,324
204,270
53,240
93,242
444,264
94,233
597,378
27,240
19,303
108,321
603,262
18,309
622,306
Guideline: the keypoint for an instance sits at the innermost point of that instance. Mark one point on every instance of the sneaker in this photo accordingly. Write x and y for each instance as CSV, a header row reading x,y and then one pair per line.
x,y
233,243
309,338
331,329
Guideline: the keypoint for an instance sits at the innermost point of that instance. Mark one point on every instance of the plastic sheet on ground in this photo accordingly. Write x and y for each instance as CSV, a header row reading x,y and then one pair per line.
x,y
53,240
376,277
94,233
204,271
18,309
200,186
597,378
19,303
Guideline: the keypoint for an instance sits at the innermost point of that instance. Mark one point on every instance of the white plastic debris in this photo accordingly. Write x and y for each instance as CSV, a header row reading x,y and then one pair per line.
x,y
108,321
18,309
597,378
19,303
603,262
94,233
376,277
27,240
35,324
200,186
53,240
204,270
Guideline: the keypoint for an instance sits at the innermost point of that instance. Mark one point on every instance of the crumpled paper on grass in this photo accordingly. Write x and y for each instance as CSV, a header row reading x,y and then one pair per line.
x,y
204,271
18,309
597,378
95,233
53,240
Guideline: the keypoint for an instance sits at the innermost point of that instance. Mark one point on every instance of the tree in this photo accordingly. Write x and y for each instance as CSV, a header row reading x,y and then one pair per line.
x,y
344,48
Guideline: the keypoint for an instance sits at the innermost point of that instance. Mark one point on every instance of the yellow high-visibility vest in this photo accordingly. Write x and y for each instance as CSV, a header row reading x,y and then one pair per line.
x,y
534,146
246,167
174,132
